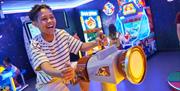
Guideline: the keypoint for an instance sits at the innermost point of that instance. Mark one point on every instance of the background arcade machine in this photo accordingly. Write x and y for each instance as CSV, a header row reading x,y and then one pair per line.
x,y
29,32
132,23
7,81
91,24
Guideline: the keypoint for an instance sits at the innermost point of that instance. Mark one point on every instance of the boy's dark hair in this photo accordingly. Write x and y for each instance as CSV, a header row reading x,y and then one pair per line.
x,y
33,14
7,60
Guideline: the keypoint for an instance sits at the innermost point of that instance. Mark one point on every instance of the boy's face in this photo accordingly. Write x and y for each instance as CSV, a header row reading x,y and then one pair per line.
x,y
46,21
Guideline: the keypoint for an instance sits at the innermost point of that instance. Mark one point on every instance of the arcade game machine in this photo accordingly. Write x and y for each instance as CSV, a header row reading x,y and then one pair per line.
x,y
91,24
148,43
6,80
133,24
29,32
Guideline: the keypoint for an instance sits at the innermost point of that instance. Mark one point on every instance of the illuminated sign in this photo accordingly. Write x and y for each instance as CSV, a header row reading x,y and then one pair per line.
x,y
139,2
129,9
88,13
108,8
9,8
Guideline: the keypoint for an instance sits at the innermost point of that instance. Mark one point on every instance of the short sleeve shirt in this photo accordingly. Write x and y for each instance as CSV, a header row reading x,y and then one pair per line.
x,y
55,52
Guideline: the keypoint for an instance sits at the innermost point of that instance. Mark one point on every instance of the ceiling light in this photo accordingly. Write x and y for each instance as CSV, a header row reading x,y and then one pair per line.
x,y
7,10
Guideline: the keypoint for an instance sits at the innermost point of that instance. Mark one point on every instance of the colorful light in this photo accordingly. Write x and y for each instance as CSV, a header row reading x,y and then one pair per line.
x,y
21,9
108,9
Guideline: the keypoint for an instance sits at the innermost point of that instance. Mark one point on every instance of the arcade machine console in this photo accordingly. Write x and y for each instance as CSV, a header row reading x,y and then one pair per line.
x,y
132,23
112,66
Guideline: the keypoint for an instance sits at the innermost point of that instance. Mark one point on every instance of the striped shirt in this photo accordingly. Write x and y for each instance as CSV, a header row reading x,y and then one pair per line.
x,y
55,52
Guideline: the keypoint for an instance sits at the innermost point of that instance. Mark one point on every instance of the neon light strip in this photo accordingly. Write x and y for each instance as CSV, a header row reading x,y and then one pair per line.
x,y
173,86
54,7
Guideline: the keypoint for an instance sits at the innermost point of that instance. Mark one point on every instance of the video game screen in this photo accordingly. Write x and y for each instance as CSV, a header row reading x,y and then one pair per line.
x,y
90,20
33,31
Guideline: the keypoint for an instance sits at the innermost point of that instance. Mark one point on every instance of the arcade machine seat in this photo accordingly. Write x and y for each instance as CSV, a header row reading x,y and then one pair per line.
x,y
174,80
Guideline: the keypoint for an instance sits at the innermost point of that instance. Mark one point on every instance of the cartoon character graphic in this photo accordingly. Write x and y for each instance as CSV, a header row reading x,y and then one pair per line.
x,y
103,71
90,22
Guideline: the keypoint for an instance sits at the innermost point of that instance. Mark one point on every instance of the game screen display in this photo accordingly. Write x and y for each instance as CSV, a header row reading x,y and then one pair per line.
x,y
34,31
137,28
90,20
132,28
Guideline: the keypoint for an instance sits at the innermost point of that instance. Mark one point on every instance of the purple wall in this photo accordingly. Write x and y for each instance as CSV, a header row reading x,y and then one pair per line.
x,y
164,14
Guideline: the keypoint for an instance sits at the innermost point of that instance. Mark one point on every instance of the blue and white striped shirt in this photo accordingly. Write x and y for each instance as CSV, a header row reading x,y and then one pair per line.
x,y
55,52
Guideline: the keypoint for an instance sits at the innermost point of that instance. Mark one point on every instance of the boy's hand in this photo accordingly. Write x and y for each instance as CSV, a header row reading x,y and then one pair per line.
x,y
68,74
101,39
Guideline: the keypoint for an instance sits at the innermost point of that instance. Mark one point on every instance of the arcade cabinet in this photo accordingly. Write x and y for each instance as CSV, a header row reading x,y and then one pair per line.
x,y
6,80
132,23
91,24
